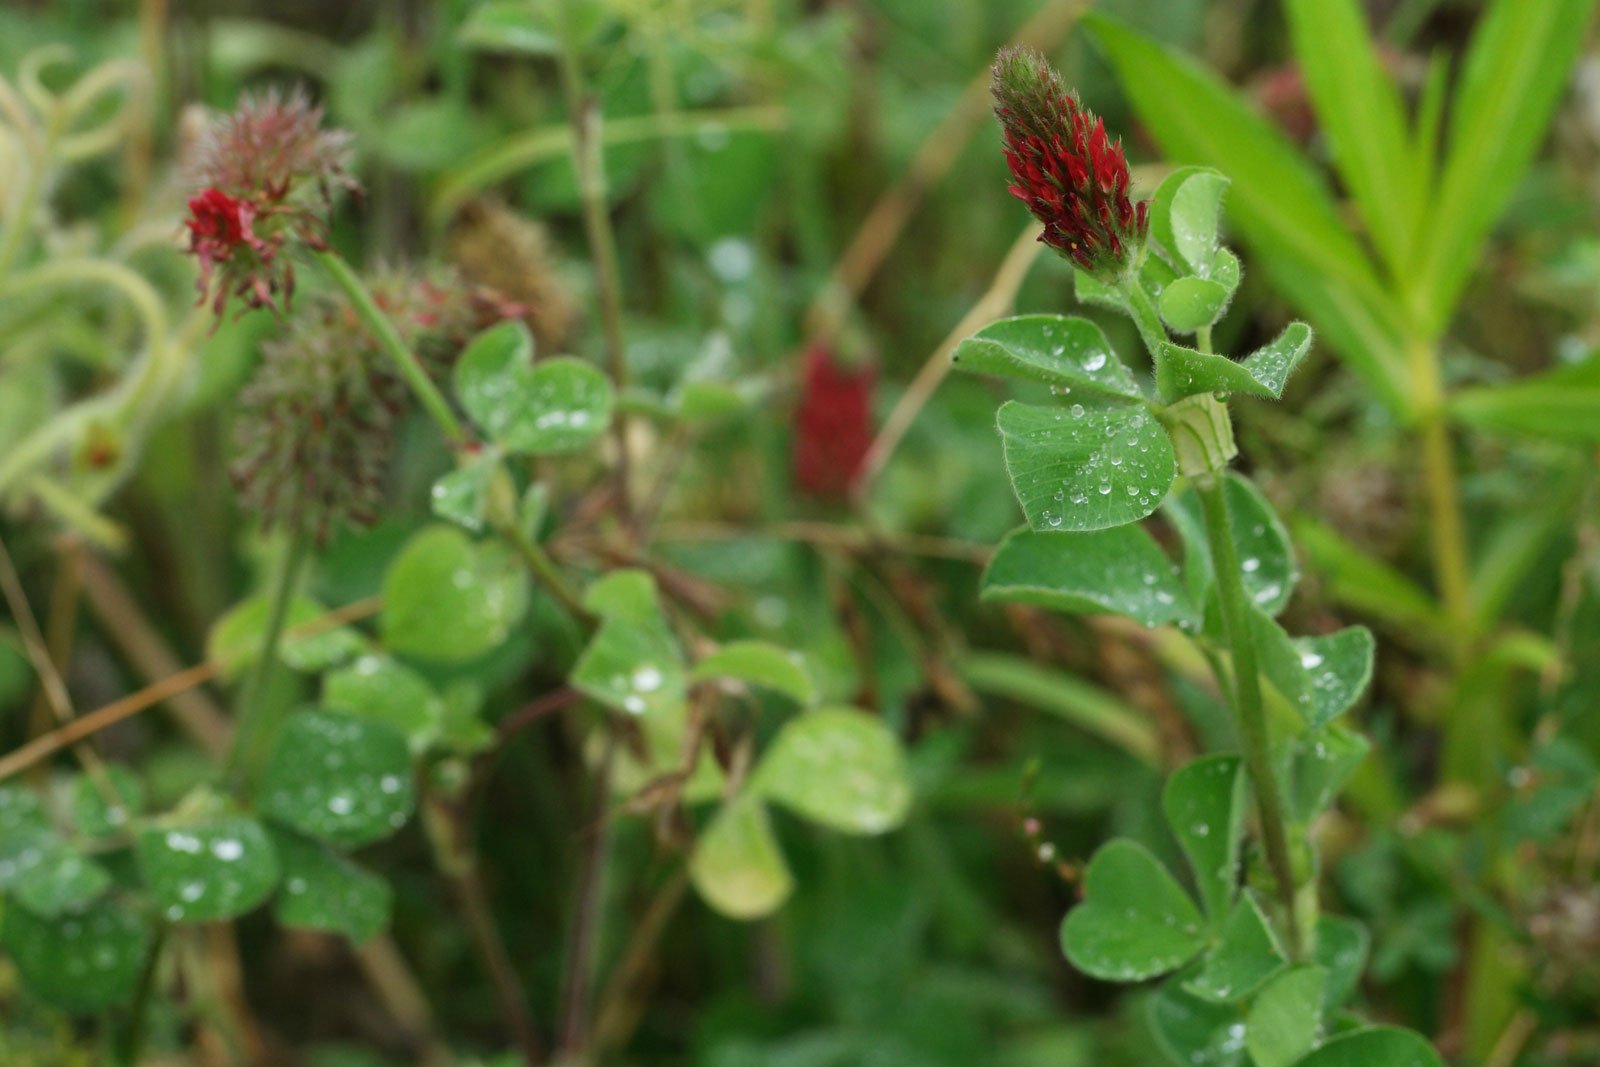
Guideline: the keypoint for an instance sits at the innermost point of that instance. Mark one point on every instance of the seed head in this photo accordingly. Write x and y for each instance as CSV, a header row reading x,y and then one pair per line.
x,y
266,177
314,439
1064,167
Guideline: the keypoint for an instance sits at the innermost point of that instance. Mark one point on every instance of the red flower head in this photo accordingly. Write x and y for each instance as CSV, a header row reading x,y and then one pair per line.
x,y
833,424
267,175
1071,175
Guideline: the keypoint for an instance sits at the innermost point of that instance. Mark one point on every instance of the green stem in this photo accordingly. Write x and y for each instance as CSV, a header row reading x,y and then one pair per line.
x,y
130,1048
1443,495
405,360
545,571
1247,703
258,726
1145,315
589,160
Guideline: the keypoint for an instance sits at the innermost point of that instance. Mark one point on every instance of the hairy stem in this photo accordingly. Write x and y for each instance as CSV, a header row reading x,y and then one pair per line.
x,y
257,725
405,361
1247,703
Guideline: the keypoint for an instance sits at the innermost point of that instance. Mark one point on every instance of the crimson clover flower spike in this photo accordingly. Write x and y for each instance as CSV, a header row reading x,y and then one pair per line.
x,y
1065,167
266,177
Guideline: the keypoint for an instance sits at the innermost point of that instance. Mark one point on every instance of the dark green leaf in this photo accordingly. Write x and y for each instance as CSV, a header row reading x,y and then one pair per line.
x,y
1135,922
1205,805
1380,1046
86,962
1324,761
1246,955
1195,1032
385,690
1341,951
1266,556
97,814
322,890
1283,1021
1121,571
339,778
206,869
1067,352
1085,468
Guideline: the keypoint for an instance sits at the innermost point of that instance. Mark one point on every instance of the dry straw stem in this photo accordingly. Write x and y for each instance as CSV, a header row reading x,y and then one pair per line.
x,y
995,302
887,218
46,745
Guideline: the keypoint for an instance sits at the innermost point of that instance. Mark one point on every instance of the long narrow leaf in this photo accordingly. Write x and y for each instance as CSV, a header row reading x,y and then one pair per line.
x,y
1282,207
1359,112
1518,64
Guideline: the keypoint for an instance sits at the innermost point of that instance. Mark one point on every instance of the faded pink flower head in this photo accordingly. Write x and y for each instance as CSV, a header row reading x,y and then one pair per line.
x,y
1064,167
266,177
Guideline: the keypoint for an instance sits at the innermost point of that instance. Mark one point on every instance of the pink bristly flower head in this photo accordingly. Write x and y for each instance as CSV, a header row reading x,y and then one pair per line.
x,y
1071,175
266,177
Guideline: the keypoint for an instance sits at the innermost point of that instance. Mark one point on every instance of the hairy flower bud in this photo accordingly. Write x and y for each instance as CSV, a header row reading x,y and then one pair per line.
x,y
1071,175
319,418
265,179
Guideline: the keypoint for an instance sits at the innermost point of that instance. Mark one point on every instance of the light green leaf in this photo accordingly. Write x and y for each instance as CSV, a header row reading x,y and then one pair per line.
x,y
553,406
1190,304
1204,803
383,689
1266,556
1359,111
636,667
839,767
1135,922
760,663
206,869
20,807
84,962
1272,365
1514,74
1342,946
1283,1021
1321,677
1323,763
97,815
1121,571
235,639
628,594
1196,1032
340,778
323,890
1182,372
1379,1046
1185,213
1079,468
1067,697
1058,350
1558,405
1245,956
462,496
1277,201
737,866
511,26
448,599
